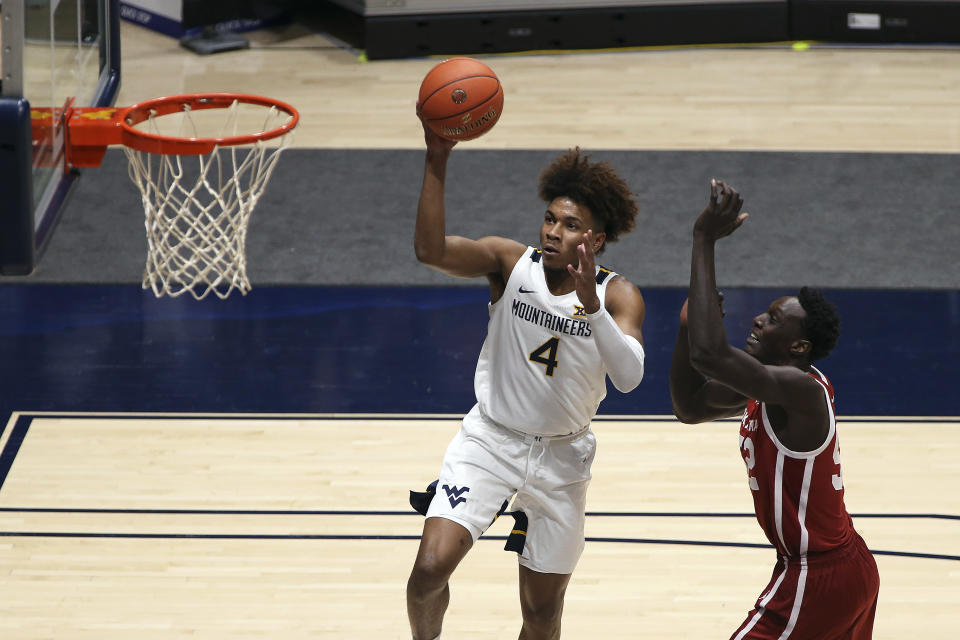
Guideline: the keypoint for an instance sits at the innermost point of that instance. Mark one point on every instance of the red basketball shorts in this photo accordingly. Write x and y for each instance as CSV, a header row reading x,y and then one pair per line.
x,y
829,596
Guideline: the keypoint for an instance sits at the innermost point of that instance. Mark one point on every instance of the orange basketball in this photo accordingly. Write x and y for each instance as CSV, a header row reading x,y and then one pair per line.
x,y
460,99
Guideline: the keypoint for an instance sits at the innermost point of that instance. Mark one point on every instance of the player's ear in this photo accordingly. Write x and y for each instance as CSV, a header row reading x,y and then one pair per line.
x,y
599,239
800,348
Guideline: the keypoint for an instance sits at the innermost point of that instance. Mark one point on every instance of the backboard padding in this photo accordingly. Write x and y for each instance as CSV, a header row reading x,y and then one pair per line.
x,y
55,52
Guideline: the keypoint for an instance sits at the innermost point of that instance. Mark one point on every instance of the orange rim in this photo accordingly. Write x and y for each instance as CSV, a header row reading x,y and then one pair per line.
x,y
158,143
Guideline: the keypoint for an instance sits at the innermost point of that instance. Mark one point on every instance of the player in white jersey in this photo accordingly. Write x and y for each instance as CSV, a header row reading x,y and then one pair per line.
x,y
559,325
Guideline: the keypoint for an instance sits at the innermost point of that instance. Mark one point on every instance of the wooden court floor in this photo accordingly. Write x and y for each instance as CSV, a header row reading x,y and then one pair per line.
x,y
701,98
286,526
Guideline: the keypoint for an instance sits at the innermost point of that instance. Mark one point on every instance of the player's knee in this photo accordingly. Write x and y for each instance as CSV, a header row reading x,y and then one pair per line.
x,y
429,574
542,614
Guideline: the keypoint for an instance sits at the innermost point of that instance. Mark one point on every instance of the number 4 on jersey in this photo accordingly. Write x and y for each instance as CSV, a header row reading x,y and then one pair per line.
x,y
550,359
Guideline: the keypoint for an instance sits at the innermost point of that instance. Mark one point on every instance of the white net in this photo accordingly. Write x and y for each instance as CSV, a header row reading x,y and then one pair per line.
x,y
198,207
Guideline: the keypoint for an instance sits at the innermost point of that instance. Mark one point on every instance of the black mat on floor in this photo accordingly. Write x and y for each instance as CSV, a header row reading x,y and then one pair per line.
x,y
333,216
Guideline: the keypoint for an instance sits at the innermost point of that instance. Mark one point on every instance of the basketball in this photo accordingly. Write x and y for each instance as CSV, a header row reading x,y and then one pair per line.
x,y
460,99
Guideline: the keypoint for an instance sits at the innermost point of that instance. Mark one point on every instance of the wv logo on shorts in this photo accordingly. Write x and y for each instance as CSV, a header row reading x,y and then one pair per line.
x,y
455,495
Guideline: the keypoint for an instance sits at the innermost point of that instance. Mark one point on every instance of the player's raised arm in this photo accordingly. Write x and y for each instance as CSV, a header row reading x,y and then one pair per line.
x,y
454,255
695,398
616,326
775,382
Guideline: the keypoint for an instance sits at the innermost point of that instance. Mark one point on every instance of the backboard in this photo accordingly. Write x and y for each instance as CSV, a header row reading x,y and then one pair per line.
x,y
53,53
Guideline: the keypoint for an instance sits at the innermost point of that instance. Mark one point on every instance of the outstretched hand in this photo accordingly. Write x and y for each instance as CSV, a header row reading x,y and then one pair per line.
x,y
722,215
434,141
585,274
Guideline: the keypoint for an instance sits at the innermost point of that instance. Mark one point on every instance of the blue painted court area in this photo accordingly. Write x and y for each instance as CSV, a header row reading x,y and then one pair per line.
x,y
400,350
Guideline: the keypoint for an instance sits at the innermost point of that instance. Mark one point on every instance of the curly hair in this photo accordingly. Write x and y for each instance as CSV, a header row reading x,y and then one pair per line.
x,y
822,323
595,186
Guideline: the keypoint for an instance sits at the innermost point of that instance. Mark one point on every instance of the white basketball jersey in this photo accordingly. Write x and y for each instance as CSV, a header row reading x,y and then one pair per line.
x,y
539,370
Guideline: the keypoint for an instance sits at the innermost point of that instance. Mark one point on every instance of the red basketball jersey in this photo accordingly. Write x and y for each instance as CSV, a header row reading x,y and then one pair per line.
x,y
797,496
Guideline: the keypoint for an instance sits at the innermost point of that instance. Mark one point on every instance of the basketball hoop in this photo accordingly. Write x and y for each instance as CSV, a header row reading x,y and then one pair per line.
x,y
199,179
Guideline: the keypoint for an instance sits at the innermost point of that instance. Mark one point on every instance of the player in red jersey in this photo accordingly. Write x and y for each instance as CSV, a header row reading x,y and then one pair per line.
x,y
825,583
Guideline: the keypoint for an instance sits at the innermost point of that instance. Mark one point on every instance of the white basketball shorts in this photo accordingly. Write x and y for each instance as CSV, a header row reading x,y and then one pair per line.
x,y
487,463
